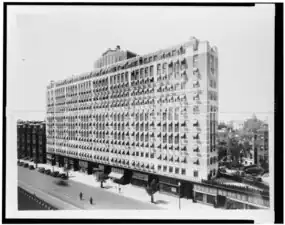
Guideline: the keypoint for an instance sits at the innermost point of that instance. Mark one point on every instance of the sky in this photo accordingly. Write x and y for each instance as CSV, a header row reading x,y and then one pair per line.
x,y
52,43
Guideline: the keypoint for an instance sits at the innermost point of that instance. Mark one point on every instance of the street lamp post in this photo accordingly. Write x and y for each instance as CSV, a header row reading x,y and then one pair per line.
x,y
179,185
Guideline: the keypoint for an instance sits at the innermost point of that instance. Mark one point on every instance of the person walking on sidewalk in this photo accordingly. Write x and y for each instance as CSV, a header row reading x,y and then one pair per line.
x,y
80,195
91,200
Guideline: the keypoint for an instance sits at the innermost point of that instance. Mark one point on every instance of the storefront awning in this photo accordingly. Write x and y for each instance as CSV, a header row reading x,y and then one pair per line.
x,y
115,175
140,176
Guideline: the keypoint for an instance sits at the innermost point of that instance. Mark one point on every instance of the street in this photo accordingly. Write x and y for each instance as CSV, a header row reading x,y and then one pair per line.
x,y
102,199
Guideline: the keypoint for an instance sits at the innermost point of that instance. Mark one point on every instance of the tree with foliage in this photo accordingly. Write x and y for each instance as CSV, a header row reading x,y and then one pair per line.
x,y
102,177
151,189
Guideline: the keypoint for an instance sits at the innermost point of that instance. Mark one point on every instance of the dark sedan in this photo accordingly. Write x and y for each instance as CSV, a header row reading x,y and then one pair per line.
x,y
26,165
55,173
31,167
48,172
63,176
41,170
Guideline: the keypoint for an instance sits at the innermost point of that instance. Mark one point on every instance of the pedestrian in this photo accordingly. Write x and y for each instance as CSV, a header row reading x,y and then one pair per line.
x,y
80,195
91,200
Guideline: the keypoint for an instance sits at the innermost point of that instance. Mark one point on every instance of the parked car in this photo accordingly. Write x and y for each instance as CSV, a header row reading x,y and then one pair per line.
x,y
48,172
63,176
55,173
21,164
41,169
26,165
31,167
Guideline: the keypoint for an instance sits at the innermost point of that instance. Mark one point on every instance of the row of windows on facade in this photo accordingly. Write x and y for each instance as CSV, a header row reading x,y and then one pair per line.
x,y
136,75
119,136
127,93
143,114
177,148
121,93
132,63
118,67
120,128
103,94
172,144
83,146
124,96
147,119
126,103
195,110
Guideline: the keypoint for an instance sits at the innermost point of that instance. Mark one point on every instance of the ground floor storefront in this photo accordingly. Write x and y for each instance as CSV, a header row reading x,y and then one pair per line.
x,y
228,199
140,179
50,159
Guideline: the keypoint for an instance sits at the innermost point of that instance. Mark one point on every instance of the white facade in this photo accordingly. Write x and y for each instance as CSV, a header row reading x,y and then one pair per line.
x,y
156,113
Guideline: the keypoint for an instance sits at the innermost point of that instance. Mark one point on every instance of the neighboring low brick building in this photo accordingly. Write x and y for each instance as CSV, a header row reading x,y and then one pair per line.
x,y
31,140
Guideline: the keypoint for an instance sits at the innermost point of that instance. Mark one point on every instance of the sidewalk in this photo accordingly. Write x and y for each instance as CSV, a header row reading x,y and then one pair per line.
x,y
130,191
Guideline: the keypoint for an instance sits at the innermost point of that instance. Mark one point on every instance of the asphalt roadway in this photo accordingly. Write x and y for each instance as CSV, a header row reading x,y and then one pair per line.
x,y
102,199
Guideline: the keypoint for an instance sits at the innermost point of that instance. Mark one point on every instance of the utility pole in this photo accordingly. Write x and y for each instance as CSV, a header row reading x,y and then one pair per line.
x,y
179,185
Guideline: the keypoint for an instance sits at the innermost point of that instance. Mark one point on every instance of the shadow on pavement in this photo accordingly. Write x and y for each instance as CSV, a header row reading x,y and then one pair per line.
x,y
107,187
161,202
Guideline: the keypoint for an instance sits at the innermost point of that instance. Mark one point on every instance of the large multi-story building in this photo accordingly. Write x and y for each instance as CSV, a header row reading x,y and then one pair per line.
x,y
32,140
148,117
260,145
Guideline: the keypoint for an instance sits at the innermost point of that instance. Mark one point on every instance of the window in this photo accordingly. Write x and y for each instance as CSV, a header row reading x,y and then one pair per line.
x,y
164,116
170,169
164,168
141,127
146,116
195,61
158,69
183,171
146,127
195,173
159,167
170,140
199,196
177,170
142,72
151,71
164,67
164,128
164,139
170,116
212,63
170,128
141,154
146,154
176,139
146,71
